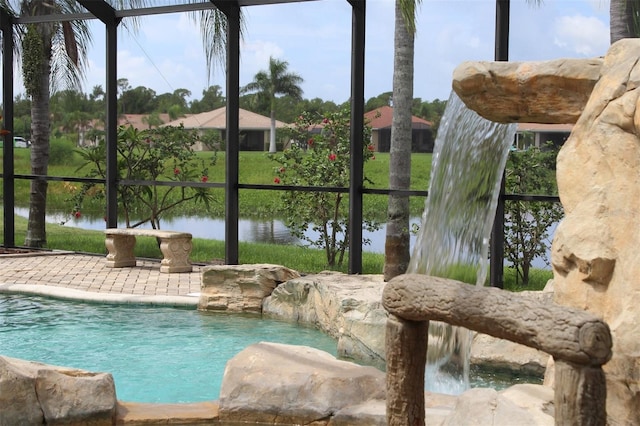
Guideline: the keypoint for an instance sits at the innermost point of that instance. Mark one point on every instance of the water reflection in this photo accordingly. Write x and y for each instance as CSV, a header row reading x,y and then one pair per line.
x,y
271,231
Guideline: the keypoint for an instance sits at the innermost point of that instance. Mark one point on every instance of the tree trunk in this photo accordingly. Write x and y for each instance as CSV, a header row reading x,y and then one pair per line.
x,y
40,123
621,19
397,241
272,132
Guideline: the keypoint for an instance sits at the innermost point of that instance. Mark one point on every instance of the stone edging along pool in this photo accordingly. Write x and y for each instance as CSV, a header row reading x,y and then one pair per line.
x,y
87,296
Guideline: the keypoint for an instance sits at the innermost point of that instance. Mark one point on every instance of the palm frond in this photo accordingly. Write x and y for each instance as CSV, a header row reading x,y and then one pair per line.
x,y
213,29
408,8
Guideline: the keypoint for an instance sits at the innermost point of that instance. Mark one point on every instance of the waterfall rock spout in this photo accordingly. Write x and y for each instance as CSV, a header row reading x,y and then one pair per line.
x,y
595,249
527,92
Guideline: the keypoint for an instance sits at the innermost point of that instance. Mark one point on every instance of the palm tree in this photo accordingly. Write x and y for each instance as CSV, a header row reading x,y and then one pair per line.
x,y
396,248
54,52
623,17
268,84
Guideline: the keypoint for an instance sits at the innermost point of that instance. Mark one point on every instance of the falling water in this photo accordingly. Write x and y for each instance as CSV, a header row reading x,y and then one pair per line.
x,y
453,242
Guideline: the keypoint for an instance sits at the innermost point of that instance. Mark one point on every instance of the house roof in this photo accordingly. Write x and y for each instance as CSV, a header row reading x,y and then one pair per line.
x,y
217,119
545,128
138,120
381,118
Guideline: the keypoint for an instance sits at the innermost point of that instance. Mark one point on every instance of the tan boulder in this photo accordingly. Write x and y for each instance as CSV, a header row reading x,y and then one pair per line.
x,y
286,384
595,252
495,354
522,405
527,92
240,288
32,393
346,307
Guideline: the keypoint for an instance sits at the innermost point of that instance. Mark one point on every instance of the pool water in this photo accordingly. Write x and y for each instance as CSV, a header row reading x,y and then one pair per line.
x,y
156,354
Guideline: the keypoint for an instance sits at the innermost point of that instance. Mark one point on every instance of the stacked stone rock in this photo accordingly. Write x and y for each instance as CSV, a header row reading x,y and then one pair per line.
x,y
595,254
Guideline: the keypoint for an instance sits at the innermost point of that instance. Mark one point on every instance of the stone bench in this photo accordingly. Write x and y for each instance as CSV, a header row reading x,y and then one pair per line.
x,y
175,247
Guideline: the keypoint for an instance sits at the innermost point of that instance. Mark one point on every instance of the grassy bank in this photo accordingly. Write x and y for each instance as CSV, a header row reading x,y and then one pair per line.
x,y
255,168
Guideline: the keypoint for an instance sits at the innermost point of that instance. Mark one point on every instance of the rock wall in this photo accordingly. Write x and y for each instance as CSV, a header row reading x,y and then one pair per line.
x,y
595,254
240,288
347,307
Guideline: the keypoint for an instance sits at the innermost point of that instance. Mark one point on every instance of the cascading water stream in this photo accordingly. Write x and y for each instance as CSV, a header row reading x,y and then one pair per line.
x,y
453,242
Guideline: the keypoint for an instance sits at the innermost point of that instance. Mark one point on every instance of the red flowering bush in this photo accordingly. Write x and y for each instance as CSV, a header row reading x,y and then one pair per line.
x,y
320,157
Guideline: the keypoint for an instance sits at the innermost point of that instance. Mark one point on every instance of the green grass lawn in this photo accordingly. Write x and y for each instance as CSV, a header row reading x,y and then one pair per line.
x,y
255,168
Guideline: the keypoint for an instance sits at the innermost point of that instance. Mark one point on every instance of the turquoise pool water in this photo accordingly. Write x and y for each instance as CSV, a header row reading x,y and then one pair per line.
x,y
156,354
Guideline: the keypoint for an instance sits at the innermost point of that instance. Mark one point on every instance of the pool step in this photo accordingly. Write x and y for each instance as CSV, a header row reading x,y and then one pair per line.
x,y
136,413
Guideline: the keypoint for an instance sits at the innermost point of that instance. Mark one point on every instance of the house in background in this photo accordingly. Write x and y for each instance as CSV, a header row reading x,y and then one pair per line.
x,y
380,121
254,128
94,131
141,121
535,134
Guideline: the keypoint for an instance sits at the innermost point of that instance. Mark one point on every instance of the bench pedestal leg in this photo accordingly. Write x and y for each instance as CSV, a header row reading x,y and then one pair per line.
x,y
120,249
176,252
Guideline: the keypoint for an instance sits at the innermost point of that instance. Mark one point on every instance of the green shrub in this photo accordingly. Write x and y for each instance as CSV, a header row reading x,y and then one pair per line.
x,y
61,151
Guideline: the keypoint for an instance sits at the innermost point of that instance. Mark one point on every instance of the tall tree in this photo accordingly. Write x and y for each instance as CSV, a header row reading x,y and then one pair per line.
x,y
140,100
397,242
212,98
378,101
269,84
54,52
624,19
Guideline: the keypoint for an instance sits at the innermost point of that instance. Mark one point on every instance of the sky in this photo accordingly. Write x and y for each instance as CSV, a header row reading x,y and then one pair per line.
x,y
314,38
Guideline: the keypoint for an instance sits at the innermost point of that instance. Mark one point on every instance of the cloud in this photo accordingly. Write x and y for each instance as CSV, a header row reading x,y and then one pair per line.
x,y
586,36
255,55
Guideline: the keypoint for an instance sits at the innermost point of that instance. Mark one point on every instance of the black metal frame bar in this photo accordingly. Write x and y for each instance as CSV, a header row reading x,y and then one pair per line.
x,y
357,139
8,182
496,266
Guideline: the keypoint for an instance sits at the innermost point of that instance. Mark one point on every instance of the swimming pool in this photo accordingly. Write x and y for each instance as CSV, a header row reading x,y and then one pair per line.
x,y
156,354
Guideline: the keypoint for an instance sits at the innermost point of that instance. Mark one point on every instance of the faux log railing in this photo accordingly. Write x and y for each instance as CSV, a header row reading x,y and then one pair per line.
x,y
579,342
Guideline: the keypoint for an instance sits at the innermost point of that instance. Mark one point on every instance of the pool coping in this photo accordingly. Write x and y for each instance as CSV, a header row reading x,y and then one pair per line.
x,y
189,301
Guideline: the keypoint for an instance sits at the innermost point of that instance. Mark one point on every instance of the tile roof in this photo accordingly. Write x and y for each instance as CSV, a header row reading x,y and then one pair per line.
x,y
381,118
138,120
217,119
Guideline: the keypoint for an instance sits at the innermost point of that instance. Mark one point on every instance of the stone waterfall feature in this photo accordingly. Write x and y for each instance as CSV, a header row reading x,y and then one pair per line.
x,y
595,252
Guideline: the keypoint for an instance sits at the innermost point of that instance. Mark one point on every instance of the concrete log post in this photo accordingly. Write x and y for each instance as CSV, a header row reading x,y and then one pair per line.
x,y
406,354
580,395
579,342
